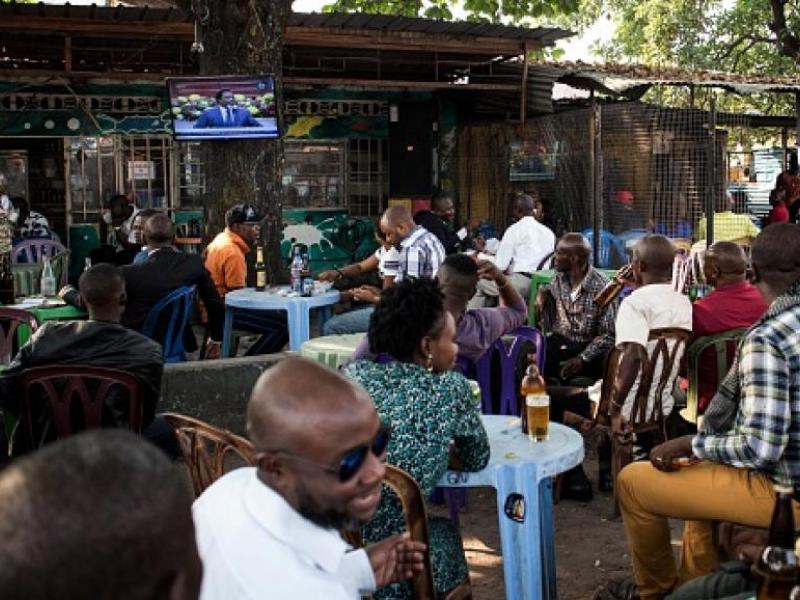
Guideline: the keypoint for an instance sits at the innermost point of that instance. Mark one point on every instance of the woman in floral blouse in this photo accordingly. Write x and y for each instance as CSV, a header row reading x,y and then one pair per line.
x,y
429,407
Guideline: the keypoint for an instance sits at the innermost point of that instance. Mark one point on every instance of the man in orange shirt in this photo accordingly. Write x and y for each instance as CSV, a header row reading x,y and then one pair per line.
x,y
225,261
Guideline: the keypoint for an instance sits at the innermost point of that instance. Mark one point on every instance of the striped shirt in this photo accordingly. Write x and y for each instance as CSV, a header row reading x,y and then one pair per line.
x,y
765,434
421,254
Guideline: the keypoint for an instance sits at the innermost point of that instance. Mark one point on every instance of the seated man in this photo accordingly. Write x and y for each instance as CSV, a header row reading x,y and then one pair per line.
x,y
524,245
99,515
385,261
272,531
165,270
728,225
734,303
102,341
421,252
226,263
579,333
476,329
438,220
749,440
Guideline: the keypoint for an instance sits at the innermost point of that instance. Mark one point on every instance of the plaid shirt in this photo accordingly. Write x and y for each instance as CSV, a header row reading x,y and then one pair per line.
x,y
421,254
582,320
765,386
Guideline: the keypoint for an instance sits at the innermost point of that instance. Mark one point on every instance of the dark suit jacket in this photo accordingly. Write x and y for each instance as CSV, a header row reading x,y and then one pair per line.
x,y
164,271
212,117
440,229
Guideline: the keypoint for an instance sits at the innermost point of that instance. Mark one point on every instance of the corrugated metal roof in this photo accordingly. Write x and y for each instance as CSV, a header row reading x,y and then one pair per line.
x,y
94,12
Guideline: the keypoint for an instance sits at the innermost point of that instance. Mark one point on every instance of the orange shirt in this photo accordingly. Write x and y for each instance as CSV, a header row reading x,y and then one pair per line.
x,y
225,262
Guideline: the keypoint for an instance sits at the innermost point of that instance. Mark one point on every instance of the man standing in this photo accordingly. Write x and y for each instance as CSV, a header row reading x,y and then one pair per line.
x,y
226,114
749,440
525,244
579,333
226,263
421,252
272,531
438,220
733,304
166,269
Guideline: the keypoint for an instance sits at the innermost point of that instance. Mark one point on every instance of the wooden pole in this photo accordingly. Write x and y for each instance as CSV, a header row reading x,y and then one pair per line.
x,y
523,99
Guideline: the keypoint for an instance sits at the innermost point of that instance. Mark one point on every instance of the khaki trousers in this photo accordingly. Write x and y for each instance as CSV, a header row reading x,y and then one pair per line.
x,y
699,495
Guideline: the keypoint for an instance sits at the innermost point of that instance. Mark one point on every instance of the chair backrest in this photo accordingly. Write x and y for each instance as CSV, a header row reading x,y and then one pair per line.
x,y
205,449
724,348
410,496
167,321
10,320
34,250
60,386
508,357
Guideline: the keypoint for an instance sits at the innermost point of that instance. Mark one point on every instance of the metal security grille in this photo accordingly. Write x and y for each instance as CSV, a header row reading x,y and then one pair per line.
x,y
367,176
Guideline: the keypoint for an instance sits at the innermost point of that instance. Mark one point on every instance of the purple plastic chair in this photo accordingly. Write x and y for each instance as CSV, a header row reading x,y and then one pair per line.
x,y
508,364
33,250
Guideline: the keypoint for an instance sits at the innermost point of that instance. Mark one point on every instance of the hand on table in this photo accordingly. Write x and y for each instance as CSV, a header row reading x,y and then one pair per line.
x,y
396,559
571,367
367,293
329,276
663,456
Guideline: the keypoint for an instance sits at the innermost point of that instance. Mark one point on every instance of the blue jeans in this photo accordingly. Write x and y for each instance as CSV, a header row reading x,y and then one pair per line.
x,y
353,321
271,324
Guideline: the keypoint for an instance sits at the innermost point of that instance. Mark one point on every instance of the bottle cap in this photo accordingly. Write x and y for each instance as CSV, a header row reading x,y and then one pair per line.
x,y
783,489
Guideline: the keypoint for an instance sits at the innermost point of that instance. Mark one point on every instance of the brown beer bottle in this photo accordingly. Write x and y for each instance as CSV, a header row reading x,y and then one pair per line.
x,y
613,288
777,564
261,270
7,295
532,383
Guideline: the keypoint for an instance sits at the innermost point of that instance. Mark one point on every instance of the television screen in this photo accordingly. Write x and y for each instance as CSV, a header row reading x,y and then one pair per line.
x,y
228,107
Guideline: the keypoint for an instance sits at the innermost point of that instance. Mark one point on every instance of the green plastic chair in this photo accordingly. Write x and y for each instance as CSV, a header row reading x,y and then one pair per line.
x,y
720,342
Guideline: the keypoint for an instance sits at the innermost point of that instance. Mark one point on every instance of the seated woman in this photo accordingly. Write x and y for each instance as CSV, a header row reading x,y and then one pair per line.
x,y
29,223
429,408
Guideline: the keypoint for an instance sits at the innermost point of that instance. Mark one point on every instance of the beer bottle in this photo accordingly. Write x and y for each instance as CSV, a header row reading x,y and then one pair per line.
x,y
7,295
261,270
781,528
777,564
613,288
531,384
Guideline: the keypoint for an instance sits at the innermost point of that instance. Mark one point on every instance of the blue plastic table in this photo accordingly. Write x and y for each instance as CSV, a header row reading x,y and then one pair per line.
x,y
298,310
521,468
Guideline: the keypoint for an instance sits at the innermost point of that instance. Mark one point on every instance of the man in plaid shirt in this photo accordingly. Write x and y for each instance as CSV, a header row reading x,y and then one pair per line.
x,y
421,252
750,439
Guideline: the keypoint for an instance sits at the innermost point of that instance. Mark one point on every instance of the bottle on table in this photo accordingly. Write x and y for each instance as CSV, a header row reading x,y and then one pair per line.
x,y
261,270
296,271
535,405
48,280
777,564
613,288
7,294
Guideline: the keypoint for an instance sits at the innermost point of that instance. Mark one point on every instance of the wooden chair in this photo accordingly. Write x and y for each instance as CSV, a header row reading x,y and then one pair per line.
x,y
724,347
10,320
205,449
643,419
410,496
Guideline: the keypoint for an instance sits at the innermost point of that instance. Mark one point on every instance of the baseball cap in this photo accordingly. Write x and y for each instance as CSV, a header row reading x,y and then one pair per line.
x,y
242,213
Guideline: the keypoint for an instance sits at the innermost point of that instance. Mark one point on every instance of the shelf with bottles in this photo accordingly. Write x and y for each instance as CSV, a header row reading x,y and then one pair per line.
x,y
189,228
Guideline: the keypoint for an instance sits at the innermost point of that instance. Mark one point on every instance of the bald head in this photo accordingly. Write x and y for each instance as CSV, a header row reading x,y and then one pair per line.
x,y
397,215
297,400
776,258
653,258
396,224
725,263
158,231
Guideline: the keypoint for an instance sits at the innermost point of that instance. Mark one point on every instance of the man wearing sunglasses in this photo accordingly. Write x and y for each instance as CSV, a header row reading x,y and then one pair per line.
x,y
273,530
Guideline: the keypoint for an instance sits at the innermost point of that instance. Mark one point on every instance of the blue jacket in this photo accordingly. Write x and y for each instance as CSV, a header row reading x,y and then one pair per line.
x,y
212,117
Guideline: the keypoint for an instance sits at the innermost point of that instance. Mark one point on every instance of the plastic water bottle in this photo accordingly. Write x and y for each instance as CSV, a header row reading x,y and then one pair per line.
x,y
296,271
48,281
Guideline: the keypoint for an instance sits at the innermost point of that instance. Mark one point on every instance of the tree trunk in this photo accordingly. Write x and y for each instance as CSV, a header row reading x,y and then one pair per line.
x,y
245,37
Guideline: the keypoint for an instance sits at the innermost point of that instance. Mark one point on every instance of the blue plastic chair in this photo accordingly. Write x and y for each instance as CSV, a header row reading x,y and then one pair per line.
x,y
612,249
174,309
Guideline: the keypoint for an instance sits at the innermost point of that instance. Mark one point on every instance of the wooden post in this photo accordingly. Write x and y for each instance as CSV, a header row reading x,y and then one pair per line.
x,y
523,100
596,177
68,54
711,190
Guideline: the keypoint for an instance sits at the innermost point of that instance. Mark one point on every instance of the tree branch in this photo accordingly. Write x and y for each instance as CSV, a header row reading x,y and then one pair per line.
x,y
787,42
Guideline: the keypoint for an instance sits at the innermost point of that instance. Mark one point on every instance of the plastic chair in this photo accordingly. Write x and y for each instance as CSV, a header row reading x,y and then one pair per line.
x,y
173,312
509,356
10,320
59,386
205,448
722,344
33,250
612,249
410,496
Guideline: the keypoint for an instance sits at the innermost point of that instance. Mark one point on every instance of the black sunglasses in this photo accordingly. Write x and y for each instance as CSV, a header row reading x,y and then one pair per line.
x,y
351,462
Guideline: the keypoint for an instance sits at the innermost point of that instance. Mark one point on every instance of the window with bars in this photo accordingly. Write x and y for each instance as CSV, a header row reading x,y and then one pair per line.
x,y
367,176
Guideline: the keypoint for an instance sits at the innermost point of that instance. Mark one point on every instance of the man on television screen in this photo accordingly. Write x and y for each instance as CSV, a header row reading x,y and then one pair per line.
x,y
226,114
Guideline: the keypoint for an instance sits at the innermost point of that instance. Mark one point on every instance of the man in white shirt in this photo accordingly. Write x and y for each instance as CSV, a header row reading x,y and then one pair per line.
x,y
524,246
272,531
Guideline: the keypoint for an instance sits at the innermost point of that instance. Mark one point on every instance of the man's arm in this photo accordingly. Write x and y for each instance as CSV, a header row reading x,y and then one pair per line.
x,y
604,339
354,270
761,433
505,251
411,263
234,271
214,306
202,122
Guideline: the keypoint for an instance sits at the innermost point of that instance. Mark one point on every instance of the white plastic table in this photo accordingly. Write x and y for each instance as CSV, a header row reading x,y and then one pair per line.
x,y
298,310
332,350
521,472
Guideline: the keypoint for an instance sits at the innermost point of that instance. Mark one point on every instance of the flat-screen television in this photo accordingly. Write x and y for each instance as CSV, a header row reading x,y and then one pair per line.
x,y
226,107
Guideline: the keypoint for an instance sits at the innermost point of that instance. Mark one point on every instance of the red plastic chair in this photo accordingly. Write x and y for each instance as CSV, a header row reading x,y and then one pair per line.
x,y
10,320
60,386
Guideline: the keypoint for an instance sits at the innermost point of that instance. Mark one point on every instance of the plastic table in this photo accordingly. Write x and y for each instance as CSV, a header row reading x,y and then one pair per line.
x,y
298,311
521,472
60,312
332,350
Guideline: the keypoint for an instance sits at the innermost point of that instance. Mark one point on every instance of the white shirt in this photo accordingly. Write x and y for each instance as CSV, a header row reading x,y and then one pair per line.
x,y
388,261
255,546
652,307
524,245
